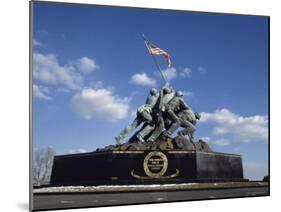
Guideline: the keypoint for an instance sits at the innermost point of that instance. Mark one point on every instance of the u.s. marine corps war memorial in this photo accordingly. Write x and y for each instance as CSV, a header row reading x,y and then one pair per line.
x,y
158,146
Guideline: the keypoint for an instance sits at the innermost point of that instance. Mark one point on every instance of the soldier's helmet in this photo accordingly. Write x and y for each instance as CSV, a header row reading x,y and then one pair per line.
x,y
167,90
179,93
153,91
197,115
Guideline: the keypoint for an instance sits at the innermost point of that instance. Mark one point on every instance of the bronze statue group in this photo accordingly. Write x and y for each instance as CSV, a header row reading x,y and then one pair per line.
x,y
162,114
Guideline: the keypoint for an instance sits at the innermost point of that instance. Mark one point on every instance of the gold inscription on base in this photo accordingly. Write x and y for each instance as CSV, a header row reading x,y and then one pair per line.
x,y
155,165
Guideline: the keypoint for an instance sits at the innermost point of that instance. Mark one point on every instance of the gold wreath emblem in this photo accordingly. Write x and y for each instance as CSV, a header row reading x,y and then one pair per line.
x,y
155,165
157,161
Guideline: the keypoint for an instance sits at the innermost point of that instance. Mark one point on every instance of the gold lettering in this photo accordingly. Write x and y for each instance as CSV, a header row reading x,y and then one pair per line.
x,y
155,165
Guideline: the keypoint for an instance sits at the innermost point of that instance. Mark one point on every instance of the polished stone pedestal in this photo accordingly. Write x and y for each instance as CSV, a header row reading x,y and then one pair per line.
x,y
145,167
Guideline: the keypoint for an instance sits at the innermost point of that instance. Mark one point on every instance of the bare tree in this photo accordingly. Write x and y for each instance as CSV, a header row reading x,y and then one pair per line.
x,y
42,165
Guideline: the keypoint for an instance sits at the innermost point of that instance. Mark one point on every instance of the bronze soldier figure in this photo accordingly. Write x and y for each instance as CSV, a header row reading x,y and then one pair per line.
x,y
176,105
143,115
165,95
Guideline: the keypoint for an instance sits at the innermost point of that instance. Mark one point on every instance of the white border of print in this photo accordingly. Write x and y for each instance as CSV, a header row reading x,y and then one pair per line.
x,y
14,88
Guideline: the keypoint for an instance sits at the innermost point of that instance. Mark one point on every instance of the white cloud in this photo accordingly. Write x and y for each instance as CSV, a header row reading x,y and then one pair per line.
x,y
133,113
36,43
255,170
143,79
62,90
41,92
48,70
173,73
202,70
80,150
170,73
244,129
96,85
186,73
221,142
86,65
100,104
187,94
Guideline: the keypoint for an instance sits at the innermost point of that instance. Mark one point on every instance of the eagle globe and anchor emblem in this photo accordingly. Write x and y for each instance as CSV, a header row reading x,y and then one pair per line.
x,y
155,165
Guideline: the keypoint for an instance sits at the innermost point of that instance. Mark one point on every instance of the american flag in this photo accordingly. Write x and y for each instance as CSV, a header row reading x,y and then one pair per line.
x,y
157,51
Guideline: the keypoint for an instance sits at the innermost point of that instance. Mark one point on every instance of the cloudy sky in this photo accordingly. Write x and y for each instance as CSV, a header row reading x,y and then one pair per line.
x,y
92,71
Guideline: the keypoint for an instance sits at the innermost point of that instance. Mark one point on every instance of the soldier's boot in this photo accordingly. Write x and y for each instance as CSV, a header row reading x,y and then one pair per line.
x,y
144,132
166,135
124,133
157,131
154,135
140,138
172,129
151,139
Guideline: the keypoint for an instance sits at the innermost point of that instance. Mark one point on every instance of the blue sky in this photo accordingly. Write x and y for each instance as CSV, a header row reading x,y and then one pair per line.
x,y
86,57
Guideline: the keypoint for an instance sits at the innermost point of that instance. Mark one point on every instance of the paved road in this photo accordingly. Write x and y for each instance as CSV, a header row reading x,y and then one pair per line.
x,y
56,201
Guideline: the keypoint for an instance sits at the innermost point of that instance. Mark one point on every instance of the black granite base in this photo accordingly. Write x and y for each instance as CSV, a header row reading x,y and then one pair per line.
x,y
145,167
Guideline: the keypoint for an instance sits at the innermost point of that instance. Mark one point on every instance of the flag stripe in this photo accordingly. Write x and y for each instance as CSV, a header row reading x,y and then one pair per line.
x,y
157,51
